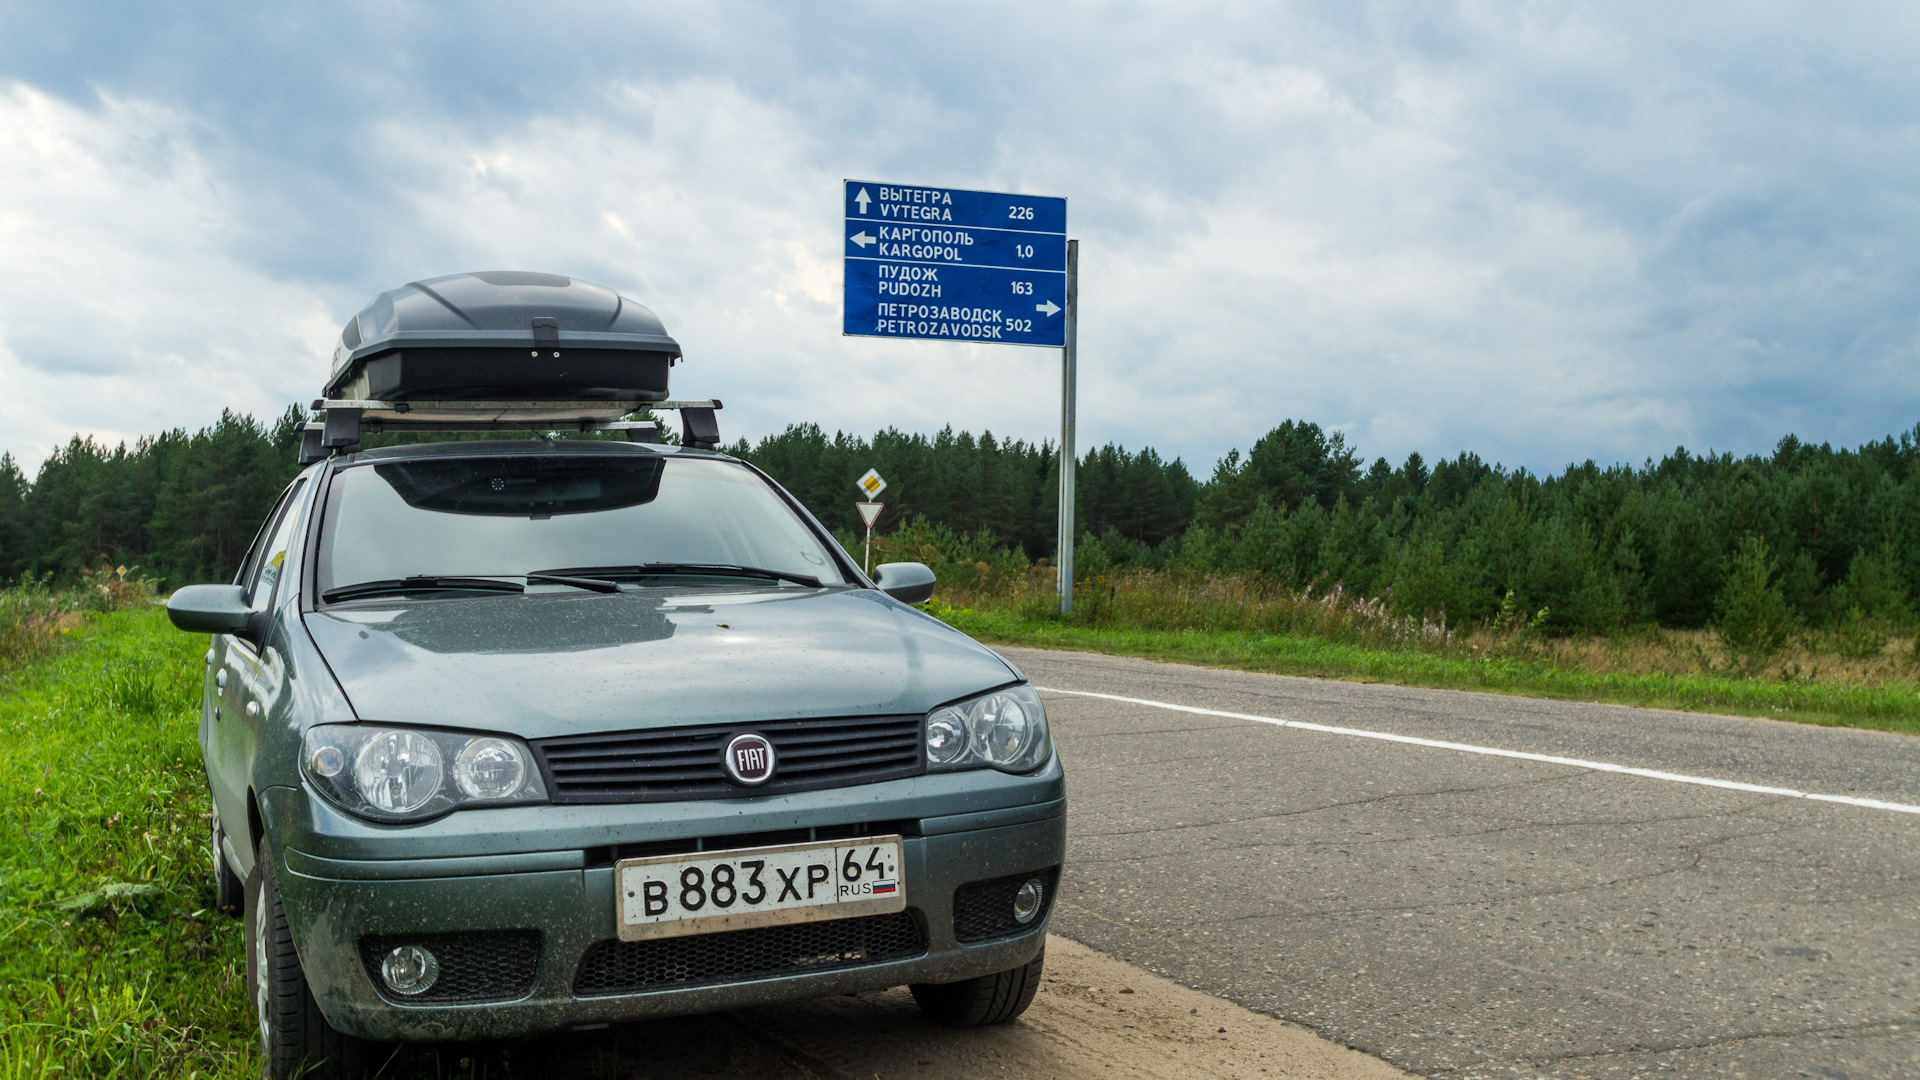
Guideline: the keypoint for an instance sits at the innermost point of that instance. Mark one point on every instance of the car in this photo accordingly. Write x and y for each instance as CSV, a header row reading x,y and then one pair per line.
x,y
516,736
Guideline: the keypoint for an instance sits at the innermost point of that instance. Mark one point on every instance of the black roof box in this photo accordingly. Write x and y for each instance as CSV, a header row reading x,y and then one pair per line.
x,y
502,335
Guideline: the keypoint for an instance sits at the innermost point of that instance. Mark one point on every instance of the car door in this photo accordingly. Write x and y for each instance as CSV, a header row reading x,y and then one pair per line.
x,y
217,706
244,677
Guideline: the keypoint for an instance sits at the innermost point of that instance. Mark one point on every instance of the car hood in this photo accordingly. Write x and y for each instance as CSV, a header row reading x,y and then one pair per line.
x,y
562,663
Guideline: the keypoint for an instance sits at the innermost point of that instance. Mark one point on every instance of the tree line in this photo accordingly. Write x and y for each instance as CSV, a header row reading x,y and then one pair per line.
x,y
1829,534
1834,534
1822,535
179,507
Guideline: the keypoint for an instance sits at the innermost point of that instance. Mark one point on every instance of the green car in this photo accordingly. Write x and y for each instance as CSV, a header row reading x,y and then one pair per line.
x,y
511,737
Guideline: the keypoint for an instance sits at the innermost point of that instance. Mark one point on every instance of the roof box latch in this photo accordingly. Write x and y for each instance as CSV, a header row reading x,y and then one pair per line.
x,y
546,333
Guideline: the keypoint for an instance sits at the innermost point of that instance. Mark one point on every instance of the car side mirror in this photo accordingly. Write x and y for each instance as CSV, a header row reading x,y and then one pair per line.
x,y
907,582
210,609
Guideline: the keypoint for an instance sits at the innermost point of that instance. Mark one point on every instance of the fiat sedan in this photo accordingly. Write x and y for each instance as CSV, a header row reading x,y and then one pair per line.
x,y
516,737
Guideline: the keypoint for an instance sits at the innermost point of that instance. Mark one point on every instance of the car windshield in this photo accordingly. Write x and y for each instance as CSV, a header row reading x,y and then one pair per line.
x,y
453,517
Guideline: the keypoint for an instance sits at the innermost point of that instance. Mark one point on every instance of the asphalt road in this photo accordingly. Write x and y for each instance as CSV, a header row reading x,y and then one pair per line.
x,y
1466,915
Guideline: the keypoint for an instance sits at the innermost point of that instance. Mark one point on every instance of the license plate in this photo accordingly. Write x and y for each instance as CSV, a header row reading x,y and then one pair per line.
x,y
678,895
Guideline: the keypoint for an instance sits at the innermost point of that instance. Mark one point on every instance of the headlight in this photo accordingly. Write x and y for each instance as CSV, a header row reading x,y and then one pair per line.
x,y
398,771
1006,729
490,769
401,774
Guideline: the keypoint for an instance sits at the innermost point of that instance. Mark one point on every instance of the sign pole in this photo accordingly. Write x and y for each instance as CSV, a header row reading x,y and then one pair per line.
x,y
1069,376
869,512
871,483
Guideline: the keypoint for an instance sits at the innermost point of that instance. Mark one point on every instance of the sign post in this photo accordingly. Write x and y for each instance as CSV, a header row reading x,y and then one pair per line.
x,y
1069,397
946,264
869,512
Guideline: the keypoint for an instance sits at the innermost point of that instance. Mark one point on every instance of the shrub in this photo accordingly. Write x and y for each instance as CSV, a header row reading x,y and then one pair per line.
x,y
1861,637
1754,620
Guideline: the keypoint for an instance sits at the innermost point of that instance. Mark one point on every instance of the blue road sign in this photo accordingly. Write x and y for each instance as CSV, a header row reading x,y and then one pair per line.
x,y
954,265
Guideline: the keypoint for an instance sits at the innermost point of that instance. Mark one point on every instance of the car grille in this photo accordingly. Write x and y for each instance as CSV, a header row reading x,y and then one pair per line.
x,y
684,763
983,910
686,845
624,967
497,966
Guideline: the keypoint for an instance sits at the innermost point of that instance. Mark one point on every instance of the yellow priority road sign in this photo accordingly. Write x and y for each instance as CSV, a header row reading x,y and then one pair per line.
x,y
871,484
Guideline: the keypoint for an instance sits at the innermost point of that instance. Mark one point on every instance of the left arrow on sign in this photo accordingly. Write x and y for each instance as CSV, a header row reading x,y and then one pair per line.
x,y
863,199
862,239
1049,307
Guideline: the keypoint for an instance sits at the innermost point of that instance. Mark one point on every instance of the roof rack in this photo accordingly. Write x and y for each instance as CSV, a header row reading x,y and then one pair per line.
x,y
343,421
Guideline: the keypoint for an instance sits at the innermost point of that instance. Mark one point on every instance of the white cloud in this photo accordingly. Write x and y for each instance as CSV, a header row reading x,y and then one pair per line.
x,y
123,306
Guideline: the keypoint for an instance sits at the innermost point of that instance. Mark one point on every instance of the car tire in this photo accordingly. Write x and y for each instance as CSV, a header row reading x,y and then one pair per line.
x,y
229,892
989,999
295,1038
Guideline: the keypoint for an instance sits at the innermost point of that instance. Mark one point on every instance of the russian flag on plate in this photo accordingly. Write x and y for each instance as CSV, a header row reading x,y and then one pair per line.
x,y
887,888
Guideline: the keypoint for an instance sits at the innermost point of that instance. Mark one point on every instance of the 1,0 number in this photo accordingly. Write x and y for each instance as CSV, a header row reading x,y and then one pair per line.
x,y
1024,251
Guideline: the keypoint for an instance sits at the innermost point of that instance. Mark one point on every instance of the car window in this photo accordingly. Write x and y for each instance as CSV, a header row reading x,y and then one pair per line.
x,y
273,556
516,514
251,560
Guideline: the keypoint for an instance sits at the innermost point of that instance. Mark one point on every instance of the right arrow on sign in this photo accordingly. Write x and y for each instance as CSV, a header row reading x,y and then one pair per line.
x,y
861,238
1049,307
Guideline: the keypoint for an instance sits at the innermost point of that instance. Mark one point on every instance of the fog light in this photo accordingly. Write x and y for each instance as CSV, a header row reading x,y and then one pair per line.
x,y
411,969
1026,900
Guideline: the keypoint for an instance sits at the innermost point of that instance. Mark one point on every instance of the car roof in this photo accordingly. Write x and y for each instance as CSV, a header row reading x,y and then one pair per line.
x,y
520,448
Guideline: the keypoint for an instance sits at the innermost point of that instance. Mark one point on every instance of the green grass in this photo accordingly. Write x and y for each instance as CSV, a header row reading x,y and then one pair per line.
x,y
1885,707
112,961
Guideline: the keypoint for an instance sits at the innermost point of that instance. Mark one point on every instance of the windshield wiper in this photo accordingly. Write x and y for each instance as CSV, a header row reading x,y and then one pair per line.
x,y
419,583
600,585
662,569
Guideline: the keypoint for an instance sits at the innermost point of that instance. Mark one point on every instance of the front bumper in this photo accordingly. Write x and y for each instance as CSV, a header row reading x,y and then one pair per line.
x,y
333,903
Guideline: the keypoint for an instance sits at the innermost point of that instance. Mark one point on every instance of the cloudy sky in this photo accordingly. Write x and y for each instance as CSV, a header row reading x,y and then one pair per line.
x,y
1540,231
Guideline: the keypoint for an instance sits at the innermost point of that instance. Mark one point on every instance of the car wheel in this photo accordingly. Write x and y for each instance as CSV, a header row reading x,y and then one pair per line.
x,y
229,892
295,1038
989,999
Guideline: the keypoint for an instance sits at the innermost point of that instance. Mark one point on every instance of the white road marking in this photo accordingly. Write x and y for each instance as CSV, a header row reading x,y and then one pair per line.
x,y
1494,751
